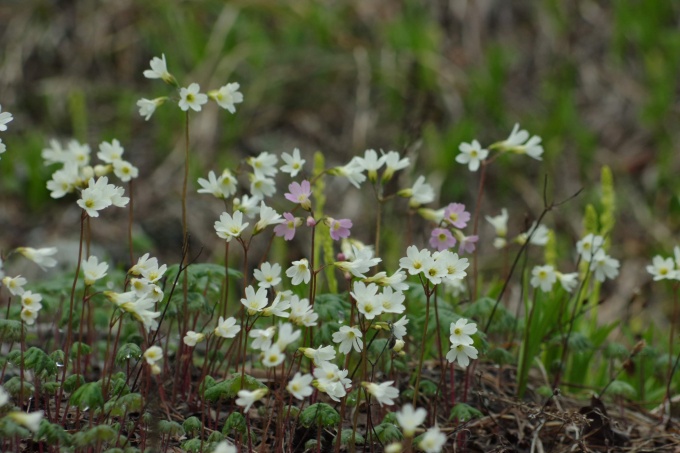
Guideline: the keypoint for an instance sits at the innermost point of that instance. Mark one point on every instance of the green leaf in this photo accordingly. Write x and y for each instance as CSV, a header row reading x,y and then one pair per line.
x,y
428,387
464,412
321,415
621,388
170,428
128,351
500,356
346,438
235,422
192,445
79,348
388,433
10,331
35,359
13,387
72,382
54,434
88,395
192,426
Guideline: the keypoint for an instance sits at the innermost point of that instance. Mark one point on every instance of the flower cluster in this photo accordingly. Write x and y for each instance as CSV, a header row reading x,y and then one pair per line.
x,y
461,342
76,173
436,267
145,292
452,219
190,97
519,142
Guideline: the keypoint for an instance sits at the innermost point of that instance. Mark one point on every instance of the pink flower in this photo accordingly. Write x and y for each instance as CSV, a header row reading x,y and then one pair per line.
x,y
442,239
467,244
456,215
300,193
339,228
287,228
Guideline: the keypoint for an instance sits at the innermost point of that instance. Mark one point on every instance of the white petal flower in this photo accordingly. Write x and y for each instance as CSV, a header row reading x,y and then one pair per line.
x,y
247,398
227,328
300,386
192,98
227,96
5,117
153,354
543,276
348,337
433,441
409,419
293,162
31,420
299,272
384,393
471,154
192,338
42,257
462,353
93,270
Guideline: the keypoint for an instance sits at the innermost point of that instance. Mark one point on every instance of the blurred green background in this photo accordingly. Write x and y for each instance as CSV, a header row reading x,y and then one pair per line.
x,y
597,80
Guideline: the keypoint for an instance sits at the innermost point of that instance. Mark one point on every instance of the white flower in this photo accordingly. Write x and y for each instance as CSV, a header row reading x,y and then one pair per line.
x,y
395,281
246,398
248,205
384,393
420,193
663,269
99,195
192,98
153,354
589,245
278,307
294,163
273,356
3,147
192,338
471,154
399,328
517,143
147,107
264,164
159,70
263,338
261,186
287,335
93,270
141,311
461,331
15,285
31,300
125,170
30,421
391,301
393,162
320,355
434,270
222,187
268,216
5,117
300,386
227,328
366,297
415,259
543,276
64,180
568,281
254,301
29,315
229,227
225,447
301,313
348,337
110,152
604,266
539,235
360,263
268,275
42,257
353,171
227,96
371,163
433,441
409,419
299,272
455,266
462,353
499,223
